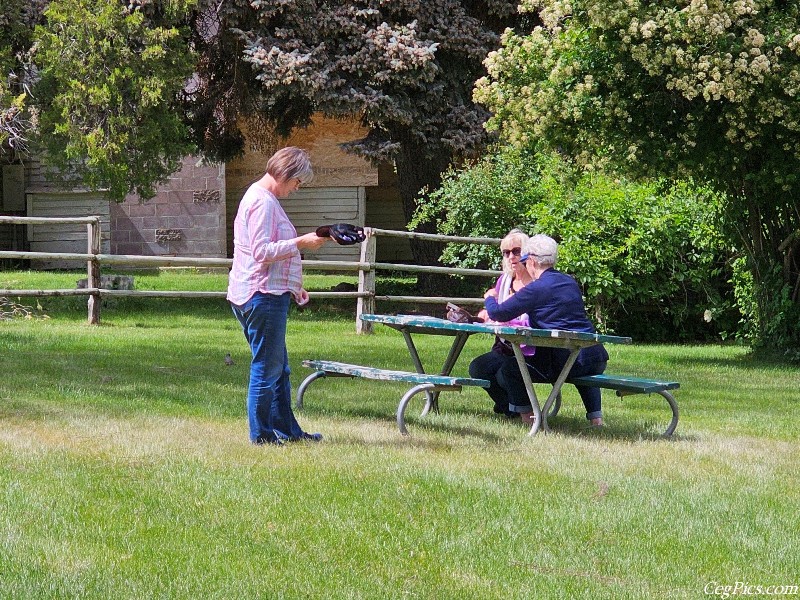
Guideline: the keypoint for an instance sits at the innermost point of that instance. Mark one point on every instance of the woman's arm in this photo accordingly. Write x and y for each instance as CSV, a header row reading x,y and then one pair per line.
x,y
309,241
518,304
264,227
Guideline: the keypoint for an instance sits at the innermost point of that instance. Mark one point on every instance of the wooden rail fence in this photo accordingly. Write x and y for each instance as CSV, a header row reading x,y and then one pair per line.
x,y
366,295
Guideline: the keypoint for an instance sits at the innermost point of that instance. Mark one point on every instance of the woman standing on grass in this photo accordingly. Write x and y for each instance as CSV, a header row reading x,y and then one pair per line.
x,y
266,275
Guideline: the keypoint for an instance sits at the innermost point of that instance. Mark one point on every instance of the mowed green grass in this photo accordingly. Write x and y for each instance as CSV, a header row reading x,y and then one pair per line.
x,y
126,472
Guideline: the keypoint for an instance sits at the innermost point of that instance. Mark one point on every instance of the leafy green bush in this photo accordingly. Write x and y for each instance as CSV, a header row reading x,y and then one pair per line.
x,y
770,336
649,257
112,76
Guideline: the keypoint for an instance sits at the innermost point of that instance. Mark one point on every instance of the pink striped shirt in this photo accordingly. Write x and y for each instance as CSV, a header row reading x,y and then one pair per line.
x,y
263,258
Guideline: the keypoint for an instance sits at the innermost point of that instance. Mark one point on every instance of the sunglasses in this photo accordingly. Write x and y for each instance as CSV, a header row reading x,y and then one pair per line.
x,y
514,251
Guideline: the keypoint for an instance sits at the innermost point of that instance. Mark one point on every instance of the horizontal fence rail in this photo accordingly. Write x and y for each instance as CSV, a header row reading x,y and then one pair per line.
x,y
366,268
48,220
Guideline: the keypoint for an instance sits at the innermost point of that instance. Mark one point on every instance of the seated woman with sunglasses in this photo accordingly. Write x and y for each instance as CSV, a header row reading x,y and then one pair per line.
x,y
515,276
552,300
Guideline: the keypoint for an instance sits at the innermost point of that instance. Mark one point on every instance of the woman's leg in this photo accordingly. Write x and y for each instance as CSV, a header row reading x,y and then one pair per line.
x,y
486,367
510,379
592,399
263,320
281,414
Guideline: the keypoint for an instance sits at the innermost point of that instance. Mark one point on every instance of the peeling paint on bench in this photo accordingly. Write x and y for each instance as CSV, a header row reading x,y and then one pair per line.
x,y
424,382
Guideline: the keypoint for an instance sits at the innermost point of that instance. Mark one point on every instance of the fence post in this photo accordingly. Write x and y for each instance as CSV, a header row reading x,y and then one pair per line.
x,y
366,284
93,270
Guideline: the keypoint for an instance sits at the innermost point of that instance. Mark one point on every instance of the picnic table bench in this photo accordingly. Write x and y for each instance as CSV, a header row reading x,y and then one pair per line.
x,y
432,384
629,386
423,382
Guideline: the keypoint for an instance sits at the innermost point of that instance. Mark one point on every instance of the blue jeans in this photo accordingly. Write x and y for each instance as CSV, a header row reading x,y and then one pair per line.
x,y
269,395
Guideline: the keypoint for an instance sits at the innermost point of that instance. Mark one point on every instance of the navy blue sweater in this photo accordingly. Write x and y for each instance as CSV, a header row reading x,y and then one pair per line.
x,y
553,301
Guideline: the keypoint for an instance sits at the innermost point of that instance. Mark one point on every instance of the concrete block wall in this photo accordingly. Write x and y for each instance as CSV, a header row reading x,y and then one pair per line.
x,y
185,218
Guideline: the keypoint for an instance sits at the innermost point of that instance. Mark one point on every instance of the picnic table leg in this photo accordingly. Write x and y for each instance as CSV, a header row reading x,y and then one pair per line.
x,y
428,388
555,393
432,400
301,390
455,352
447,367
674,406
526,377
555,408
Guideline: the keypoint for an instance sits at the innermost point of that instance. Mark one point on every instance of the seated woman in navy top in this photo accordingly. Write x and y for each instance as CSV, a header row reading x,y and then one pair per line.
x,y
552,300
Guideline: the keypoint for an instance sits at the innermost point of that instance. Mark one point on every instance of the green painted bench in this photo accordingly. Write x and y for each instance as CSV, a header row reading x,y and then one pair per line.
x,y
628,386
423,382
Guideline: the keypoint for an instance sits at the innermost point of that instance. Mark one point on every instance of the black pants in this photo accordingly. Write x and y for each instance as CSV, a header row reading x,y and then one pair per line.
x,y
507,388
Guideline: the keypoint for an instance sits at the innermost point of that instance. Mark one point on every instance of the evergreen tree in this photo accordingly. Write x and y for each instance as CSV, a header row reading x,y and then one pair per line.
x,y
405,69
112,75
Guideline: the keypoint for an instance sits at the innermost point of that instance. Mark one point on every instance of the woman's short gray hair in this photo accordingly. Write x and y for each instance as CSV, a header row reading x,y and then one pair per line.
x,y
290,163
543,248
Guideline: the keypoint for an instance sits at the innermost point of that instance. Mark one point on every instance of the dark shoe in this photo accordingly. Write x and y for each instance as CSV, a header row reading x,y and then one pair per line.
x,y
500,409
275,438
264,441
311,437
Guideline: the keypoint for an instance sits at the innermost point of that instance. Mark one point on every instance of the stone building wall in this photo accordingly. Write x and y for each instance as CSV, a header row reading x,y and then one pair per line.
x,y
186,218
192,213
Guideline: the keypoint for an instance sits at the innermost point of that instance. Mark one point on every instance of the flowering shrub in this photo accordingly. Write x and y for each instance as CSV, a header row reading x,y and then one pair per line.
x,y
701,88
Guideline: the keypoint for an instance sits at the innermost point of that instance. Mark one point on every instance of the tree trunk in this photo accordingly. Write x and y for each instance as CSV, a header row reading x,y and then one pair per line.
x,y
772,241
415,172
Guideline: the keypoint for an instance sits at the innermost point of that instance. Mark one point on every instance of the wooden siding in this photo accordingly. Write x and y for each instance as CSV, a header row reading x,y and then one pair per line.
x,y
308,208
385,211
69,237
12,237
12,194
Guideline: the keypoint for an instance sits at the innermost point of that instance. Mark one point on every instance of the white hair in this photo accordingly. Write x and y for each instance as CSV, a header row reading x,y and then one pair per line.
x,y
544,248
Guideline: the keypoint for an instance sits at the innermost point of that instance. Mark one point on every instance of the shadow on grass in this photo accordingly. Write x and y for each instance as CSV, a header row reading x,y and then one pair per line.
x,y
622,429
748,361
94,380
413,420
416,430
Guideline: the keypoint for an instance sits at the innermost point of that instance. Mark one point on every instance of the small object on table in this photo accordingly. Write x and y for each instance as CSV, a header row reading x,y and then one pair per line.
x,y
456,314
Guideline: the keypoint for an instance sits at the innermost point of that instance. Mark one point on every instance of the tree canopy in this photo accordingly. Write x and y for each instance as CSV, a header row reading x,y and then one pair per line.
x,y
404,69
111,78
120,81
705,88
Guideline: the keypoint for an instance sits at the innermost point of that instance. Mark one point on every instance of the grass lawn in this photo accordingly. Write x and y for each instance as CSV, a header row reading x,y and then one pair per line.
x,y
125,471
